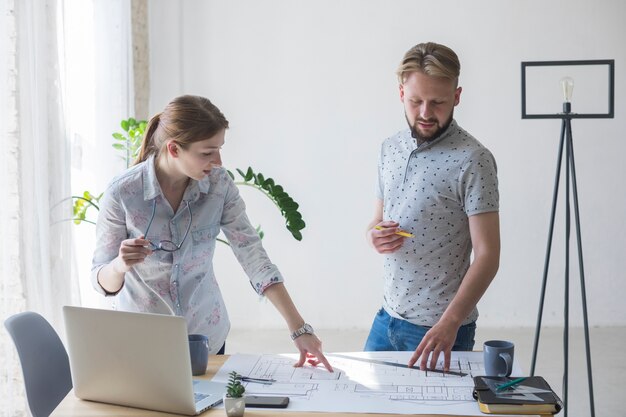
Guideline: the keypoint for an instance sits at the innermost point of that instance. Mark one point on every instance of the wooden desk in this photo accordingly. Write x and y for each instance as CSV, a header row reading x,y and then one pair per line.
x,y
72,406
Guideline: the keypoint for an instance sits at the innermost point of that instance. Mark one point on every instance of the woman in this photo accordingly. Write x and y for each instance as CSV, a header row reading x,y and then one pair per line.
x,y
158,223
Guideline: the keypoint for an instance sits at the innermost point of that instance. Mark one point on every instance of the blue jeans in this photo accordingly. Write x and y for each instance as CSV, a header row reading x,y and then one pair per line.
x,y
389,333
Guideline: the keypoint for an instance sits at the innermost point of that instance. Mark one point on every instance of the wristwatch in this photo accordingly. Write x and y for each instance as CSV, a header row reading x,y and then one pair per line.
x,y
305,329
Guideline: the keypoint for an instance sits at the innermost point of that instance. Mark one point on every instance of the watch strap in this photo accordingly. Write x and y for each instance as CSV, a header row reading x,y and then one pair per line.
x,y
305,329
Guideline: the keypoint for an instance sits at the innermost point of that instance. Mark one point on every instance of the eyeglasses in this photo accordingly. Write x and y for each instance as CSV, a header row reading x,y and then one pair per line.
x,y
167,245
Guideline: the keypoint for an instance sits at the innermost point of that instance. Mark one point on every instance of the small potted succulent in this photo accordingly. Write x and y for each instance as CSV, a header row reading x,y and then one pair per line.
x,y
234,402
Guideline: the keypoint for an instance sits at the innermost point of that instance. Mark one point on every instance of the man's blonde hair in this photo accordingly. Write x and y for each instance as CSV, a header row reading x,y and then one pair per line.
x,y
431,59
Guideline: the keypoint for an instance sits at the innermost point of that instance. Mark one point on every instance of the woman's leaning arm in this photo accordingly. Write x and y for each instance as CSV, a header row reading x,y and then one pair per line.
x,y
307,344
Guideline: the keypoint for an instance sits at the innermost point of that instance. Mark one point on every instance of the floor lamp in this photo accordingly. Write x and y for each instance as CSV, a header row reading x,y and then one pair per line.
x,y
571,193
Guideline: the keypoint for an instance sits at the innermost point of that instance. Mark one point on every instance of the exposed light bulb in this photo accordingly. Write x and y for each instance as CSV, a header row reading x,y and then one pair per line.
x,y
567,83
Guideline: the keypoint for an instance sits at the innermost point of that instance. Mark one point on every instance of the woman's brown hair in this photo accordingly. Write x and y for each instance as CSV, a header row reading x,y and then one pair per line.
x,y
186,119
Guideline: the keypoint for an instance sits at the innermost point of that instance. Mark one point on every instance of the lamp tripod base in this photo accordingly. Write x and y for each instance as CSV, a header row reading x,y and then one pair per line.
x,y
570,179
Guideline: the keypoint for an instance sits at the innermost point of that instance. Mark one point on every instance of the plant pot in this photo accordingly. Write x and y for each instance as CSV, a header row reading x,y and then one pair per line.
x,y
234,406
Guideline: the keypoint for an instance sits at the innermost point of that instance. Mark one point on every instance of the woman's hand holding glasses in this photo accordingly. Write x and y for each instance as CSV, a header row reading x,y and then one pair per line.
x,y
132,252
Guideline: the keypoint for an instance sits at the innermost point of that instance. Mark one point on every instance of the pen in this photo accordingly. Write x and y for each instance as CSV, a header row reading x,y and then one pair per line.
x,y
257,380
399,232
509,384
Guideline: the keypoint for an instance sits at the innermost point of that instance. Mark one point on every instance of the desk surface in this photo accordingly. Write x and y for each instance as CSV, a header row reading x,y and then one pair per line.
x,y
72,406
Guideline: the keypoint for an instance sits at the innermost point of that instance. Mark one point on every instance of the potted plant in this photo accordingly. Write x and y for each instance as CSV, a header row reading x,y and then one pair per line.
x,y
234,402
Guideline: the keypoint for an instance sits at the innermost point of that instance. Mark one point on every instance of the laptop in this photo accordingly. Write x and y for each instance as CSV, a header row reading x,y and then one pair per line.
x,y
135,359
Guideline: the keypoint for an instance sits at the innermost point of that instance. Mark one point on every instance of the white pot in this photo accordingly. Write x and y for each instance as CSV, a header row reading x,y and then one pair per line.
x,y
234,406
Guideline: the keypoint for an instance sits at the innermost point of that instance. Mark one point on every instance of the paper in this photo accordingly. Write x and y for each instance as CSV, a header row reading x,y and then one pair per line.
x,y
361,387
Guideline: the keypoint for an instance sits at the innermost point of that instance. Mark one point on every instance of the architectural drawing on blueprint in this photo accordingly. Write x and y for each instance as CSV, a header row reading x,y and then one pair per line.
x,y
358,386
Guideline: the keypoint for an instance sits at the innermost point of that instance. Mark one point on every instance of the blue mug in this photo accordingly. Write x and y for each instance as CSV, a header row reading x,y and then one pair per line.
x,y
199,353
498,356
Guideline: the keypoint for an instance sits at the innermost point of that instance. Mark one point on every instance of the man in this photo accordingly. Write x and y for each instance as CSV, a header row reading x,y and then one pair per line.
x,y
439,184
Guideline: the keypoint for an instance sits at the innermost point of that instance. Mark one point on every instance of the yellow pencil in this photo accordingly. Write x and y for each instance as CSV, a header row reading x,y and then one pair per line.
x,y
399,232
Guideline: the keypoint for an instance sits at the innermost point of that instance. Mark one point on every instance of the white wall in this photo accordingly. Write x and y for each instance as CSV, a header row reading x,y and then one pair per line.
x,y
310,92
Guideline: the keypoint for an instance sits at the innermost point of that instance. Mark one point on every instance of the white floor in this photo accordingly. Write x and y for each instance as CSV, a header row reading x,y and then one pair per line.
x,y
608,368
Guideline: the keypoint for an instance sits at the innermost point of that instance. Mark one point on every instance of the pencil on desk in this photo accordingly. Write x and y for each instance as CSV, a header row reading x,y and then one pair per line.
x,y
509,384
399,232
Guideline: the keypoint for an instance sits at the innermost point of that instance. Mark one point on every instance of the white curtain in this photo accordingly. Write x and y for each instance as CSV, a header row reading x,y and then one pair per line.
x,y
11,294
100,94
65,84
35,257
44,161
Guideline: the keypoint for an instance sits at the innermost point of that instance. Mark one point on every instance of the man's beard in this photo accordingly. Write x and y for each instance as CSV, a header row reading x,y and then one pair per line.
x,y
415,133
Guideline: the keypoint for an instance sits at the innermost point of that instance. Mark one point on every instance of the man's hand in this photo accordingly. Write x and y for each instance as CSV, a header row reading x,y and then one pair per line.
x,y
440,338
385,240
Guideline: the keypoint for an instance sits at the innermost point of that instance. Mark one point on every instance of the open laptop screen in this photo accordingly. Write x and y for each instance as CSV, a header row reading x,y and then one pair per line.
x,y
133,359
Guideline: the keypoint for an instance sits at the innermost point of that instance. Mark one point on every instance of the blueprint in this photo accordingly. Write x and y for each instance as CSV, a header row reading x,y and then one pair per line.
x,y
358,386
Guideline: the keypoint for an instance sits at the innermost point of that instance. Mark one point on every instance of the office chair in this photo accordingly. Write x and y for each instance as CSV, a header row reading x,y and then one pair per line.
x,y
45,364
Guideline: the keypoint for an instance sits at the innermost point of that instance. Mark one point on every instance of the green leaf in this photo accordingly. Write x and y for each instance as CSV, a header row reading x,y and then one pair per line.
x,y
234,388
297,224
132,122
249,174
230,174
124,125
290,205
293,215
279,194
268,184
241,173
297,235
118,136
119,146
283,200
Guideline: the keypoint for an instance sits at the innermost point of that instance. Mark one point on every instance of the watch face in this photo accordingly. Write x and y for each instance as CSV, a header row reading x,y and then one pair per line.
x,y
307,328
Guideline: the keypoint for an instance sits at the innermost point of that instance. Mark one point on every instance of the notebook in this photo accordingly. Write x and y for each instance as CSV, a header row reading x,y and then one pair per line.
x,y
531,396
135,359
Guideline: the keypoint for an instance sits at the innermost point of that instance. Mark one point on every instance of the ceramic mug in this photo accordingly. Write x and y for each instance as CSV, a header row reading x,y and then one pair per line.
x,y
498,356
199,353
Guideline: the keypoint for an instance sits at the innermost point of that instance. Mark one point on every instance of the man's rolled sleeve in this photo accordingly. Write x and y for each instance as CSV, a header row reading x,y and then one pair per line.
x,y
479,183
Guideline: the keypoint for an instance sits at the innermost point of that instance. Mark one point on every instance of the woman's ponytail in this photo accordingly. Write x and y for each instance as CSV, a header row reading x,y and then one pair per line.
x,y
148,146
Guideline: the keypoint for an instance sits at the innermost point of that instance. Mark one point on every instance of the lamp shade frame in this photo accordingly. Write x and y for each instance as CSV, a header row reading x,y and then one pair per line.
x,y
610,63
